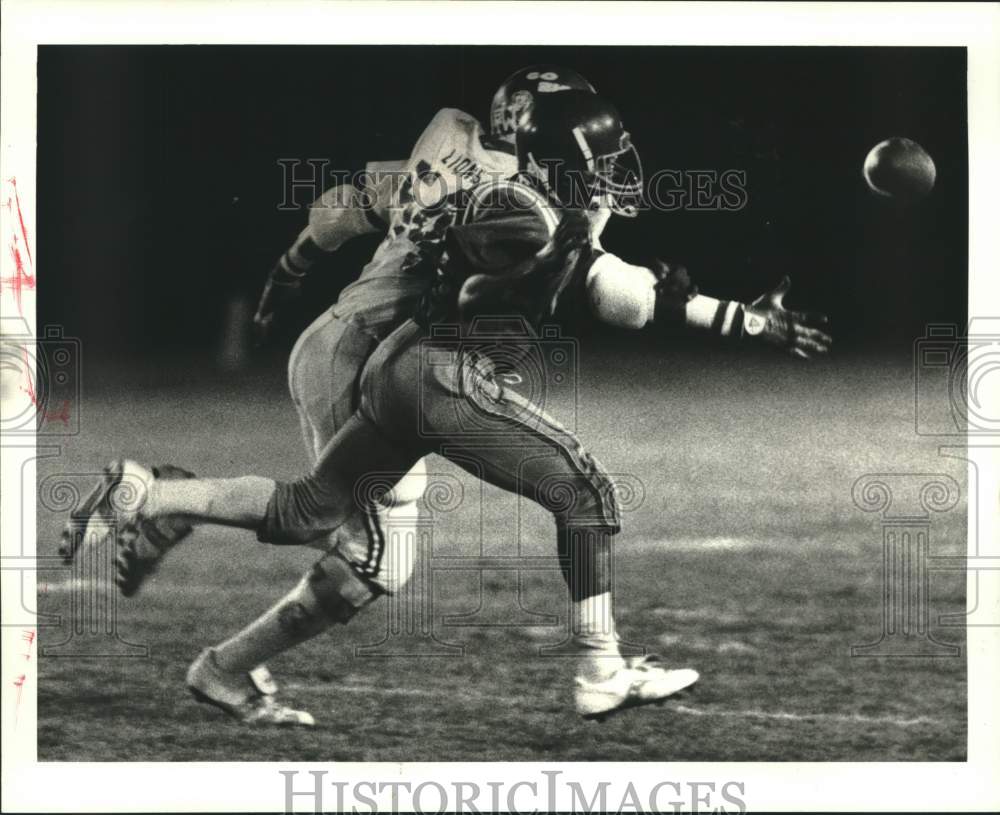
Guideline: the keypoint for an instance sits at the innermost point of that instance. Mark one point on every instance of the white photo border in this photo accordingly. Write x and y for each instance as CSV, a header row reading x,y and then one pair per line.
x,y
53,787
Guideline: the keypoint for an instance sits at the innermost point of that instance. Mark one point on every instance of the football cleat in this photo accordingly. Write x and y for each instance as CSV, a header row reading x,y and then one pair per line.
x,y
113,504
247,697
141,548
641,682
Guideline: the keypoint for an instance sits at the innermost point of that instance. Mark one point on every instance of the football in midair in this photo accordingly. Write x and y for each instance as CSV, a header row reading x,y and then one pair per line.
x,y
899,168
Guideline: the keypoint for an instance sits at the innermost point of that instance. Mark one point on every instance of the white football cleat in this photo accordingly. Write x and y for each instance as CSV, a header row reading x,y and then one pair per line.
x,y
114,504
641,682
141,550
247,697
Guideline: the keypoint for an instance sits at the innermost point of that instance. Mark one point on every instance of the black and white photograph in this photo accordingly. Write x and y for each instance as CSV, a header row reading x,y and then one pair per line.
x,y
585,408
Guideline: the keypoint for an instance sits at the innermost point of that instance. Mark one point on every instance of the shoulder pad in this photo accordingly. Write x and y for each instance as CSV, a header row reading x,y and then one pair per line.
x,y
450,119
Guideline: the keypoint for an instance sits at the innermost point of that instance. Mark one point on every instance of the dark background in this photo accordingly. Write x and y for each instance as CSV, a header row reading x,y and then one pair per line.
x,y
159,181
748,559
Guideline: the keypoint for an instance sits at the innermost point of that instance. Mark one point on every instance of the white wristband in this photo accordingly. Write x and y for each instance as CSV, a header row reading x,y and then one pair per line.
x,y
724,317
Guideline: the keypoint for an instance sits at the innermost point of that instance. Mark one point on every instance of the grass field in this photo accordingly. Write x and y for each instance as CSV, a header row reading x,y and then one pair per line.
x,y
747,560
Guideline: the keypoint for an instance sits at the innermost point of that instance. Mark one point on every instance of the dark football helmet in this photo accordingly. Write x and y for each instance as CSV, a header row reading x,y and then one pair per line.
x,y
520,90
575,144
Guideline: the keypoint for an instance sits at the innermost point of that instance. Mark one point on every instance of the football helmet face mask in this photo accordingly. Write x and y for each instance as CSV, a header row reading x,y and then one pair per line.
x,y
575,144
515,97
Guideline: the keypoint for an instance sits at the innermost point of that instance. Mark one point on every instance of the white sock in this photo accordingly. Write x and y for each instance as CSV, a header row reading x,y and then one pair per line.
x,y
238,502
594,633
151,506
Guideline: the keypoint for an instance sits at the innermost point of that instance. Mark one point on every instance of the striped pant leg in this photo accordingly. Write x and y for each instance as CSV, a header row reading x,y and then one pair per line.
x,y
439,402
536,457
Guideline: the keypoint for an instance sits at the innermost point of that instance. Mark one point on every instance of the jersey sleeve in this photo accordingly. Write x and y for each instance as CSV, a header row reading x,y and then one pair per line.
x,y
448,125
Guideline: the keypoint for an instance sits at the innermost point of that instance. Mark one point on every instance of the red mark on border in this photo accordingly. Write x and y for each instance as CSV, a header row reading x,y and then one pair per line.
x,y
30,390
22,279
19,684
28,635
20,220
60,415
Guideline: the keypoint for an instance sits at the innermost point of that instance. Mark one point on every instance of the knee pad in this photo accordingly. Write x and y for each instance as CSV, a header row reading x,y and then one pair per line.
x,y
338,589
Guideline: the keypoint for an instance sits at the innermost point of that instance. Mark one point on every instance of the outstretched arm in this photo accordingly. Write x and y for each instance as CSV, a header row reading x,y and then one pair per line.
x,y
765,320
634,296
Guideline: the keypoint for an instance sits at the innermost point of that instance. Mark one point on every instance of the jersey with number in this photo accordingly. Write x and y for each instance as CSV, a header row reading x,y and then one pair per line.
x,y
418,203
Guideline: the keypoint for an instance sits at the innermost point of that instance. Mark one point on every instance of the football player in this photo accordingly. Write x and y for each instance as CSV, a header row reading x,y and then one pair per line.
x,y
411,202
518,249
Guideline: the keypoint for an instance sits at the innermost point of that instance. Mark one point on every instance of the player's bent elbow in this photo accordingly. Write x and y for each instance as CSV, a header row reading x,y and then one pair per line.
x,y
621,294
